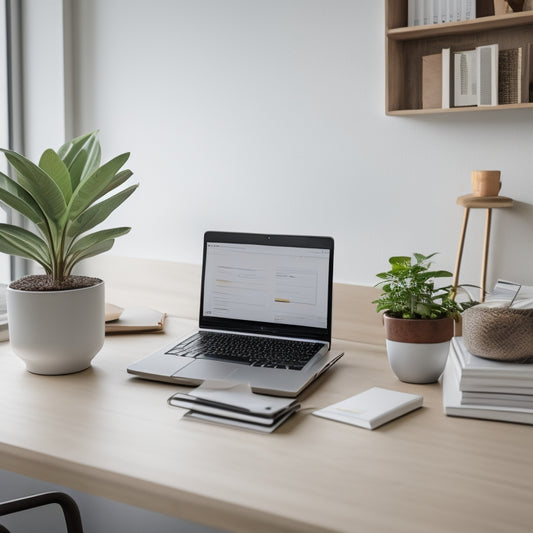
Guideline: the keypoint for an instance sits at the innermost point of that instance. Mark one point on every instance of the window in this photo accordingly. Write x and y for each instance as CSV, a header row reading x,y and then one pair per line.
x,y
5,270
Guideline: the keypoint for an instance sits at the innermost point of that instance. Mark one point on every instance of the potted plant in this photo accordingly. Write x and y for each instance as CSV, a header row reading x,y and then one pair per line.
x,y
57,319
419,318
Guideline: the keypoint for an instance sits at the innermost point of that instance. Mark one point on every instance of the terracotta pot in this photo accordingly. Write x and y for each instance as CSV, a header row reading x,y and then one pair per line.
x,y
418,348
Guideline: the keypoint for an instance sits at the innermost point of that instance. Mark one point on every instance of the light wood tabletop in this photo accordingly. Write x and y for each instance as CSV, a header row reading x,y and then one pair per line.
x,y
106,433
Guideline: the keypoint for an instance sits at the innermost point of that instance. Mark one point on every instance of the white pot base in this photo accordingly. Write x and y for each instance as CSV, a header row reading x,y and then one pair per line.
x,y
417,363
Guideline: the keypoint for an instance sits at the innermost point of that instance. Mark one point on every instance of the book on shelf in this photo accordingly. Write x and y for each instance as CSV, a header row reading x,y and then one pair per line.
x,y
527,73
510,76
446,78
465,78
487,75
432,81
415,12
453,406
476,374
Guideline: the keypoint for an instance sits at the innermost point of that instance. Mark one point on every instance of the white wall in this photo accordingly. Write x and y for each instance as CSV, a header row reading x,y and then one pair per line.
x,y
268,115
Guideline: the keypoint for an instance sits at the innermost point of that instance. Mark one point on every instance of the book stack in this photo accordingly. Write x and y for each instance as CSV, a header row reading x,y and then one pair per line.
x,y
234,404
422,12
474,387
484,76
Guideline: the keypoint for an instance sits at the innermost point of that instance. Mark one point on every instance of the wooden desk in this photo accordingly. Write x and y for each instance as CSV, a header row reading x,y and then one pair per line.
x,y
106,433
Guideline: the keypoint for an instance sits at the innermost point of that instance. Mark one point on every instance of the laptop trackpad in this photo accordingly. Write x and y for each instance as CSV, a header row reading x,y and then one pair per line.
x,y
206,369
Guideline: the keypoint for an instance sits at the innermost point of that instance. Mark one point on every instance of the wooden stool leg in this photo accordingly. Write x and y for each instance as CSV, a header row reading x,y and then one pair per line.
x,y
485,255
460,250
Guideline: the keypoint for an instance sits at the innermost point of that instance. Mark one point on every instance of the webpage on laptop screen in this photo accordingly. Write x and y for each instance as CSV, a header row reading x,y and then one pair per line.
x,y
276,284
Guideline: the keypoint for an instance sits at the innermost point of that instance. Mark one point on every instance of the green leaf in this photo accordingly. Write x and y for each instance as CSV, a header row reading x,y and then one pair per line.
x,y
97,249
52,164
97,213
13,195
91,188
118,180
68,151
401,261
94,238
86,161
436,274
39,185
76,168
24,243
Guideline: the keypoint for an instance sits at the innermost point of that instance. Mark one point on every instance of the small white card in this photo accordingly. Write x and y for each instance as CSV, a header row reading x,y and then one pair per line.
x,y
372,408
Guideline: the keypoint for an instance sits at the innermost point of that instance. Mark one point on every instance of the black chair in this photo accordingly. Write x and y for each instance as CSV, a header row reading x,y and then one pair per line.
x,y
68,506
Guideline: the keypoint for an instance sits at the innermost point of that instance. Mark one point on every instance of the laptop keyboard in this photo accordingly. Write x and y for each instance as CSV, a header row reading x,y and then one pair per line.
x,y
249,350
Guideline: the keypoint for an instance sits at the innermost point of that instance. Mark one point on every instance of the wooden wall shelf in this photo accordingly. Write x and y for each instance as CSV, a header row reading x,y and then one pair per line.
x,y
405,47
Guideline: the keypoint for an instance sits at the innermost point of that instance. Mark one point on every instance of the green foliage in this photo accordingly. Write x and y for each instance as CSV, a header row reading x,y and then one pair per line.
x,y
409,291
59,197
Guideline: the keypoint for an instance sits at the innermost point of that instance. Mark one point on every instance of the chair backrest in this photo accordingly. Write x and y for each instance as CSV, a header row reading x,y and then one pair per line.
x,y
69,507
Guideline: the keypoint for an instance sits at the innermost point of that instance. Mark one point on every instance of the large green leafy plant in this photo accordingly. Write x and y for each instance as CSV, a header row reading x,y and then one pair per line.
x,y
409,290
58,197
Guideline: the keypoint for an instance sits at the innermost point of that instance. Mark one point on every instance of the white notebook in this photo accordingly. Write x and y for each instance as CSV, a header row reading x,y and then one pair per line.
x,y
372,408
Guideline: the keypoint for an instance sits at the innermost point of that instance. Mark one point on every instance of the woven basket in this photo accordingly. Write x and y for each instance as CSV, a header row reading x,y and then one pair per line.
x,y
500,333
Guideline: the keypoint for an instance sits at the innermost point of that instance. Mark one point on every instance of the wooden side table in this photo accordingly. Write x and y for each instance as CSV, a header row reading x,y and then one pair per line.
x,y
469,201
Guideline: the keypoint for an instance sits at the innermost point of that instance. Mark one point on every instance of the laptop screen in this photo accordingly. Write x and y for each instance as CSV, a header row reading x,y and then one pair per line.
x,y
267,284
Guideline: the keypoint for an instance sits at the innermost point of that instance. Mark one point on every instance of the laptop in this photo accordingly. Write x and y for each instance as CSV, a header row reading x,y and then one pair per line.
x,y
265,316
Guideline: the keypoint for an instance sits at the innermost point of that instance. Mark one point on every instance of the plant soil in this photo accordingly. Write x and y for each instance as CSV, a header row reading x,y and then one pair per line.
x,y
42,282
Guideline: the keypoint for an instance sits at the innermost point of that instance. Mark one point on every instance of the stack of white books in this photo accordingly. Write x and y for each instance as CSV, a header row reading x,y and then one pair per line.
x,y
475,387
234,404
422,12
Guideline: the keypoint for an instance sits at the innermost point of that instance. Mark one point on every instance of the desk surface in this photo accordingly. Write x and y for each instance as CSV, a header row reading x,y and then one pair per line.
x,y
106,433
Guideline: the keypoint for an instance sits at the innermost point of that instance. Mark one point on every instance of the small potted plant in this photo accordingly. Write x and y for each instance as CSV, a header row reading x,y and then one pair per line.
x,y
419,318
57,319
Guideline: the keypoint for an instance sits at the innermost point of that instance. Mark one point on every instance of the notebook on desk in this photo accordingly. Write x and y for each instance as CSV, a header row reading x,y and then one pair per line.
x,y
265,316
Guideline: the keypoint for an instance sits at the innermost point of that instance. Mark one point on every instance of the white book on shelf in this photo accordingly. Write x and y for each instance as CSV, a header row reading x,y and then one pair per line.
x,y
452,406
452,10
443,11
436,11
487,75
462,9
411,12
468,9
446,56
419,12
447,8
458,10
465,87
428,12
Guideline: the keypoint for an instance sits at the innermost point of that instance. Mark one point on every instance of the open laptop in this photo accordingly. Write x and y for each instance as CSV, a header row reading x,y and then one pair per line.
x,y
265,316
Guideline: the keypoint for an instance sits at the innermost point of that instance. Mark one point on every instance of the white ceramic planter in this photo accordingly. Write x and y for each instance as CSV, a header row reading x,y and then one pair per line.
x,y
57,332
417,363
418,348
